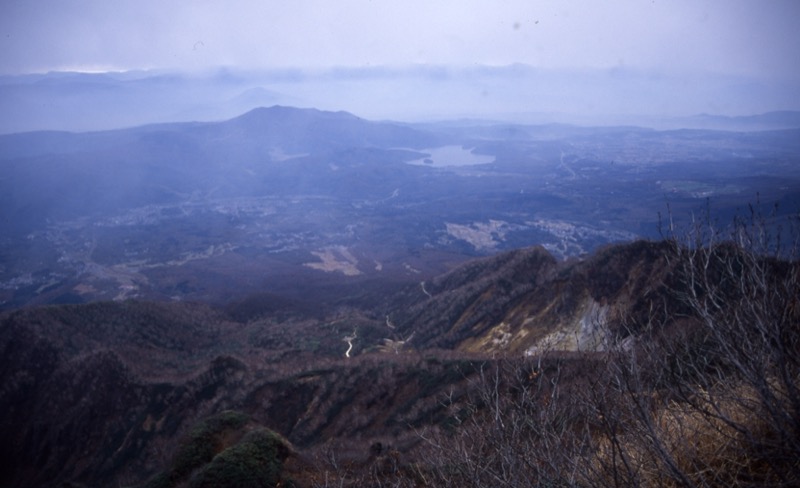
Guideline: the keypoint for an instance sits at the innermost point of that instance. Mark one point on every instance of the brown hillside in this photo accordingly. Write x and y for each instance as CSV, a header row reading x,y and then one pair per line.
x,y
593,371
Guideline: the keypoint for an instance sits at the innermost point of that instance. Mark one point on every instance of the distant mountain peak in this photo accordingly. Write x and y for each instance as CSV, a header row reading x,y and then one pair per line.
x,y
295,113
309,130
779,119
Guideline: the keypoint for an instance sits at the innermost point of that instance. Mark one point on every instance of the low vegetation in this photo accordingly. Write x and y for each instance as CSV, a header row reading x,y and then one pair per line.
x,y
225,450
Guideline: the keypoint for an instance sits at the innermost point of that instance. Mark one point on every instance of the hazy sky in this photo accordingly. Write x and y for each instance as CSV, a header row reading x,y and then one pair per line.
x,y
743,37
400,59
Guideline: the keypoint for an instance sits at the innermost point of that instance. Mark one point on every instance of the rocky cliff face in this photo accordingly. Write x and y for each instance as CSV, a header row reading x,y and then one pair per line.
x,y
525,302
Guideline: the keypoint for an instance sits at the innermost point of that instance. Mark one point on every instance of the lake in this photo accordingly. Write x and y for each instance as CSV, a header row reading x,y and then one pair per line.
x,y
452,156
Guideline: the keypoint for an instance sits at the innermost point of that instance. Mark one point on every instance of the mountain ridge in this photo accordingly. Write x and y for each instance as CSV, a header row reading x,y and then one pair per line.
x,y
131,378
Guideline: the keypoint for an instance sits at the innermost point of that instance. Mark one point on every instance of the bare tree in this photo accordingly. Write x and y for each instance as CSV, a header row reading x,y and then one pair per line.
x,y
712,397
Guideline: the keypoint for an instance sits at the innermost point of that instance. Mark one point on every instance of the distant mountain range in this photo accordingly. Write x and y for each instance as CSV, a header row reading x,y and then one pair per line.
x,y
785,119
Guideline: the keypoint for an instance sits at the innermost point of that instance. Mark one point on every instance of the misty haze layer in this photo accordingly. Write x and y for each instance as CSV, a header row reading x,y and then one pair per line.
x,y
518,93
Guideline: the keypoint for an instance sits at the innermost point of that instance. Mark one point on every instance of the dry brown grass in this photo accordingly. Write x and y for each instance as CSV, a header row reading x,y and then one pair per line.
x,y
717,438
